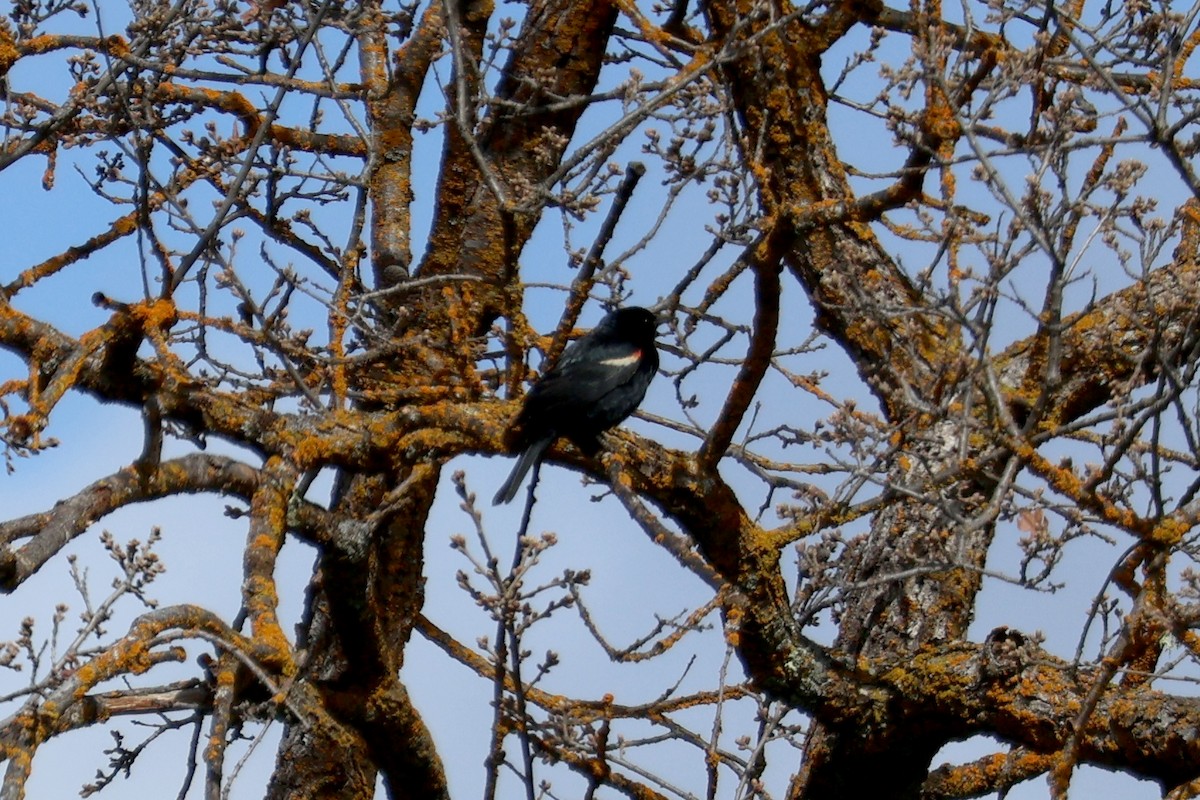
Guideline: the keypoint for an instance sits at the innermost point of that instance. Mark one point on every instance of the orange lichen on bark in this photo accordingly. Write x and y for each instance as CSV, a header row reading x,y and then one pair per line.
x,y
660,39
9,53
239,105
998,770
155,315
1065,481
1170,530
260,598
121,227
133,652
65,374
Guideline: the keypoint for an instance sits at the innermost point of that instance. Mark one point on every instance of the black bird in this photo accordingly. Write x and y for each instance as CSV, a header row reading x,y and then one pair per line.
x,y
598,381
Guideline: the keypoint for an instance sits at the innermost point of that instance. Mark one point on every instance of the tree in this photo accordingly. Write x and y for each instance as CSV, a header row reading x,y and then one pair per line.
x,y
991,213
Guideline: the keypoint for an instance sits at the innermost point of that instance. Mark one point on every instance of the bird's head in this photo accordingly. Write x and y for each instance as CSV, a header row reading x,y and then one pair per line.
x,y
633,323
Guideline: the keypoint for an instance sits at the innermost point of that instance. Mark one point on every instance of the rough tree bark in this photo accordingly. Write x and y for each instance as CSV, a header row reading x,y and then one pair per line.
x,y
1019,134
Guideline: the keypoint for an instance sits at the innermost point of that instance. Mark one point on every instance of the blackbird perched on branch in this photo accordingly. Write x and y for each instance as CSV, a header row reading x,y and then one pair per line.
x,y
598,381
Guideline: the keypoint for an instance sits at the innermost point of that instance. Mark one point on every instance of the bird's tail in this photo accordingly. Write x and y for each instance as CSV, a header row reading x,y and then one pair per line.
x,y
530,456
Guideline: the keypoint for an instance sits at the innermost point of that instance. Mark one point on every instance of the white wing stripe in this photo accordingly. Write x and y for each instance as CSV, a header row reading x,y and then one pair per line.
x,y
623,361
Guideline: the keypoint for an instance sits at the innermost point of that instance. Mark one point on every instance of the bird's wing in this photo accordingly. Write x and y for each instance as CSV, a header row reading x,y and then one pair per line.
x,y
584,378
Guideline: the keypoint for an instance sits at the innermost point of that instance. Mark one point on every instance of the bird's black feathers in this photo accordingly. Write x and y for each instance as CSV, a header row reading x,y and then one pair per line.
x,y
528,457
598,382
